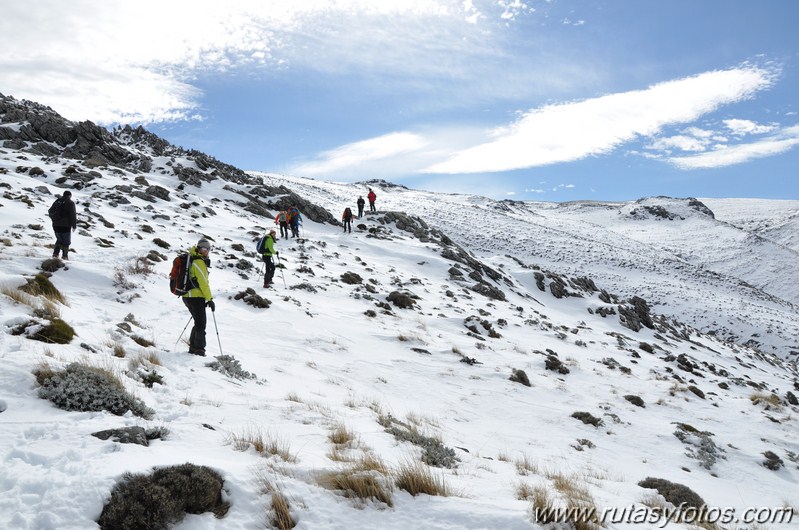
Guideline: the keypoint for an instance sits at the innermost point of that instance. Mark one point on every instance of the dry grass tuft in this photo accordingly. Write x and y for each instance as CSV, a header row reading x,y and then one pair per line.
x,y
264,444
525,466
364,479
417,478
768,400
279,514
19,296
341,436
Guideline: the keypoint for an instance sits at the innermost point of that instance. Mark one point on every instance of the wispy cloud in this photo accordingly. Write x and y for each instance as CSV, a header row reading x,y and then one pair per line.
x,y
568,132
362,154
726,155
572,131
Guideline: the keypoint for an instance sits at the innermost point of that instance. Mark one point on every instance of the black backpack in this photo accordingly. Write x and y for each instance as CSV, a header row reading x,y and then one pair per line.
x,y
58,210
347,214
180,281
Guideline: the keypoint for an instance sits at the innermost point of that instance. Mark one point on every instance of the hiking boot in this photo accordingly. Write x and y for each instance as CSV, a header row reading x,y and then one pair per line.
x,y
266,285
55,256
197,351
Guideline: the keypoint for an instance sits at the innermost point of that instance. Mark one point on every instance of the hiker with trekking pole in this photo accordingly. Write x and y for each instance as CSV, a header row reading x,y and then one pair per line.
x,y
199,296
266,248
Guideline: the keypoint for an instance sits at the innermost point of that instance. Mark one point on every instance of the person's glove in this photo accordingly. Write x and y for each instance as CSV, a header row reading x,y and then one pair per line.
x,y
211,304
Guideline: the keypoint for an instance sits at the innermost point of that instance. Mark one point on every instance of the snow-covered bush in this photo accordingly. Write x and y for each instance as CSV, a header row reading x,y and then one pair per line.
x,y
86,388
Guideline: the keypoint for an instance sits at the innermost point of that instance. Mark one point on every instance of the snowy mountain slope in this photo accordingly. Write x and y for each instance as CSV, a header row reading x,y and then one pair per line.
x,y
327,353
716,276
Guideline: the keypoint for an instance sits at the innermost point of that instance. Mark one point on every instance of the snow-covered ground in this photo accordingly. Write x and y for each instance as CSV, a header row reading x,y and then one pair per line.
x,y
328,355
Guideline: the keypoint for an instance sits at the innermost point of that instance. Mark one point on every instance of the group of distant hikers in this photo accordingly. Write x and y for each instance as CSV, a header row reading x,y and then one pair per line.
x,y
197,294
346,217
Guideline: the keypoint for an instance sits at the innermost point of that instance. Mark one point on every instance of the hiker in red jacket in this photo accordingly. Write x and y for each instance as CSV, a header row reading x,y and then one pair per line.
x,y
372,198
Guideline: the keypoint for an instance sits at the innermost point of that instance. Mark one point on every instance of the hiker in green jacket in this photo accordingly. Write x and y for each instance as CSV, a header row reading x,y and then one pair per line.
x,y
199,296
267,249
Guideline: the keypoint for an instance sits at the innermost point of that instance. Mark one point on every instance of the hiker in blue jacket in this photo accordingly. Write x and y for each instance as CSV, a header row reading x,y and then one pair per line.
x,y
295,219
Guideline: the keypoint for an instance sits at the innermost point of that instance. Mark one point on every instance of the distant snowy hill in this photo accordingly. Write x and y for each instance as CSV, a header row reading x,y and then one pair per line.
x,y
512,355
733,278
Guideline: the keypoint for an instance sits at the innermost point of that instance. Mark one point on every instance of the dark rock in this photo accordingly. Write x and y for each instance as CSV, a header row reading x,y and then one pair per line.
x,y
125,435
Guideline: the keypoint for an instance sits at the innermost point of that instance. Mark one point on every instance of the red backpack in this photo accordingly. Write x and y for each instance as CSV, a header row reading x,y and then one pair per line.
x,y
180,281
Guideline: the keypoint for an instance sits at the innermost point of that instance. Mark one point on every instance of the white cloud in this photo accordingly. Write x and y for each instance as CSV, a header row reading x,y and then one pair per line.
x,y
362,154
567,132
725,155
120,61
744,127
681,142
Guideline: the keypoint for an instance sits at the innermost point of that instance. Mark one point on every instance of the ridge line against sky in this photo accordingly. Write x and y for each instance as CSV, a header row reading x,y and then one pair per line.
x,y
545,99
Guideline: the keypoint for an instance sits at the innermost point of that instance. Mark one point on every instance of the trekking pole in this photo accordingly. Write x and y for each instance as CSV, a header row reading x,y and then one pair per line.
x,y
281,270
217,333
181,333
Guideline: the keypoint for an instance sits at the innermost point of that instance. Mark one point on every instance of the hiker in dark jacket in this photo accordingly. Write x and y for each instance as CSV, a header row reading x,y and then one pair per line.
x,y
360,203
372,198
295,220
347,218
65,221
268,247
200,296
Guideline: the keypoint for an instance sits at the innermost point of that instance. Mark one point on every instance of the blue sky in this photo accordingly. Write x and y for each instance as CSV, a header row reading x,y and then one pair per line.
x,y
548,100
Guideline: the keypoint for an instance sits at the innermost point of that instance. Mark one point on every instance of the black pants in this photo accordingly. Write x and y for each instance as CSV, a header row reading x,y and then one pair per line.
x,y
63,238
284,229
295,229
196,307
360,211
372,206
269,271
348,223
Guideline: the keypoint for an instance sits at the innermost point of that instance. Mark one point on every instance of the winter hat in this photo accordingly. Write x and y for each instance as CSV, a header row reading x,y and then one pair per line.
x,y
272,232
67,194
203,243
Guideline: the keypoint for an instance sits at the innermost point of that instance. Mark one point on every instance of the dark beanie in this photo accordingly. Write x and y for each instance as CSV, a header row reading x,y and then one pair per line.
x,y
67,193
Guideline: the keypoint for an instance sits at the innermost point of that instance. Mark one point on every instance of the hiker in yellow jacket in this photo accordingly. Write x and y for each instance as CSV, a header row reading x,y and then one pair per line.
x,y
199,296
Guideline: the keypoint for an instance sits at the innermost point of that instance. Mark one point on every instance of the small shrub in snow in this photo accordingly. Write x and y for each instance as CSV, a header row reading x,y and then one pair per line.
x,y
159,500
587,418
85,388
556,365
435,453
519,376
403,300
56,332
697,391
700,445
40,285
635,400
229,366
250,297
677,494
351,278
772,461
